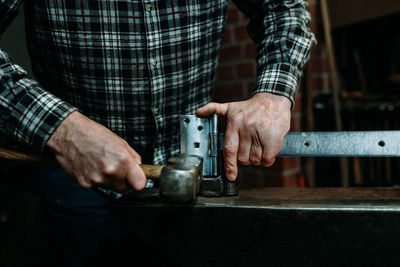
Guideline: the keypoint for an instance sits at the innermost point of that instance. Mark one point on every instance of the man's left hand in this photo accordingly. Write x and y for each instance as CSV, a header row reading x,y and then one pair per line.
x,y
255,129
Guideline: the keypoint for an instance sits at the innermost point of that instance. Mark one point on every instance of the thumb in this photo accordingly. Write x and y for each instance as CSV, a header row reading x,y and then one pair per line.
x,y
212,108
136,177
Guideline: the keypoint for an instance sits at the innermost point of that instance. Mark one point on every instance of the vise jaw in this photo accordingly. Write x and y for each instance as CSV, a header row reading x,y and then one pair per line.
x,y
201,137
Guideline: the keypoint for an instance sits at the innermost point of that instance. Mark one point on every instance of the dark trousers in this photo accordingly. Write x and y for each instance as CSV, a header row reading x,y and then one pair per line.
x,y
81,230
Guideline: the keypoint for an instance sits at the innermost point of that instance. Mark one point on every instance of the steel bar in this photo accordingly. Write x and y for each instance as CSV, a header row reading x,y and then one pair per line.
x,y
342,144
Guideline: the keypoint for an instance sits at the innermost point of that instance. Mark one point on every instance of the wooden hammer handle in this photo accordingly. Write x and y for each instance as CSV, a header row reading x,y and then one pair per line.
x,y
151,171
14,155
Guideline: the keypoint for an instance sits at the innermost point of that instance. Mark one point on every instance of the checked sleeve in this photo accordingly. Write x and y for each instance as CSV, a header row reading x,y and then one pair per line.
x,y
28,113
280,30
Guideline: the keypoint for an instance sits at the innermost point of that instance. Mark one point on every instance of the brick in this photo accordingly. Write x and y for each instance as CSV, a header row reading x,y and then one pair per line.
x,y
274,181
282,181
315,27
225,73
314,11
319,83
226,92
300,89
250,176
298,104
259,176
295,124
233,15
230,53
291,180
241,33
318,50
285,163
246,70
250,86
318,64
250,50
227,38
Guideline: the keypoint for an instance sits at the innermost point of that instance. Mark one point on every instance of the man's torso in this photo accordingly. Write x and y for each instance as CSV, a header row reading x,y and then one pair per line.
x,y
133,66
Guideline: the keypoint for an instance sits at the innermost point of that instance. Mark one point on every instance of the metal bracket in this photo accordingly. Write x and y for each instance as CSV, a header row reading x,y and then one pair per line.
x,y
201,137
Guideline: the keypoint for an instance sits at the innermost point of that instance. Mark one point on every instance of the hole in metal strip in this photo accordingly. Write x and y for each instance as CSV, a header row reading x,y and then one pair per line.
x,y
307,144
381,143
196,145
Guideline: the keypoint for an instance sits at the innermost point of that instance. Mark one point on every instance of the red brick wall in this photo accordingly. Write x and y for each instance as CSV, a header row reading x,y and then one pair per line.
x,y
235,79
237,68
317,68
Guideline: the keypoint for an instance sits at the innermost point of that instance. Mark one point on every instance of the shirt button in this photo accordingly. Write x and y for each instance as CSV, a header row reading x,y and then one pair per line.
x,y
154,62
149,7
155,111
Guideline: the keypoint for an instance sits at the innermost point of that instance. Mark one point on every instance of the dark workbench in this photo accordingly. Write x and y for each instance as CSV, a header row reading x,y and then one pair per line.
x,y
274,227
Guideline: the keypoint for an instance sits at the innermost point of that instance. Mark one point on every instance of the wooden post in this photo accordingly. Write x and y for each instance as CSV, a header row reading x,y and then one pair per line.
x,y
344,169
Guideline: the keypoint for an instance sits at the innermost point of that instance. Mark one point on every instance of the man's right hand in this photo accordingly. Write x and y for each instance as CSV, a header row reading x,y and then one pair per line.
x,y
95,156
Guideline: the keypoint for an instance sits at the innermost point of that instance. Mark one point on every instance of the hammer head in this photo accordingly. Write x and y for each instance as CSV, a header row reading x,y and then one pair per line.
x,y
179,181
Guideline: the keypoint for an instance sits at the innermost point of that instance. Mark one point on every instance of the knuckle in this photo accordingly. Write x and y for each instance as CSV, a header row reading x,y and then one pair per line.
x,y
255,160
229,167
250,123
123,157
229,150
98,180
112,169
256,154
135,154
268,160
81,179
137,158
243,160
101,166
236,118
84,183
120,151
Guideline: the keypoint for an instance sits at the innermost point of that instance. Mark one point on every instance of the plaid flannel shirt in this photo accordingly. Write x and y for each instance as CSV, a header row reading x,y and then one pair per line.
x,y
136,65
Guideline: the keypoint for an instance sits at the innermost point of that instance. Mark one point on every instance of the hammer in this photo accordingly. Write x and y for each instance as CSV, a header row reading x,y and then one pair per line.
x,y
179,180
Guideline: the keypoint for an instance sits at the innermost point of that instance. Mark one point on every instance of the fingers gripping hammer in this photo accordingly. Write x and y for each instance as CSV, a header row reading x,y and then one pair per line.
x,y
179,180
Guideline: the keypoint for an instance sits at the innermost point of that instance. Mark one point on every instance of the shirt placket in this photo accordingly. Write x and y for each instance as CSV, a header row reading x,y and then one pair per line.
x,y
153,38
